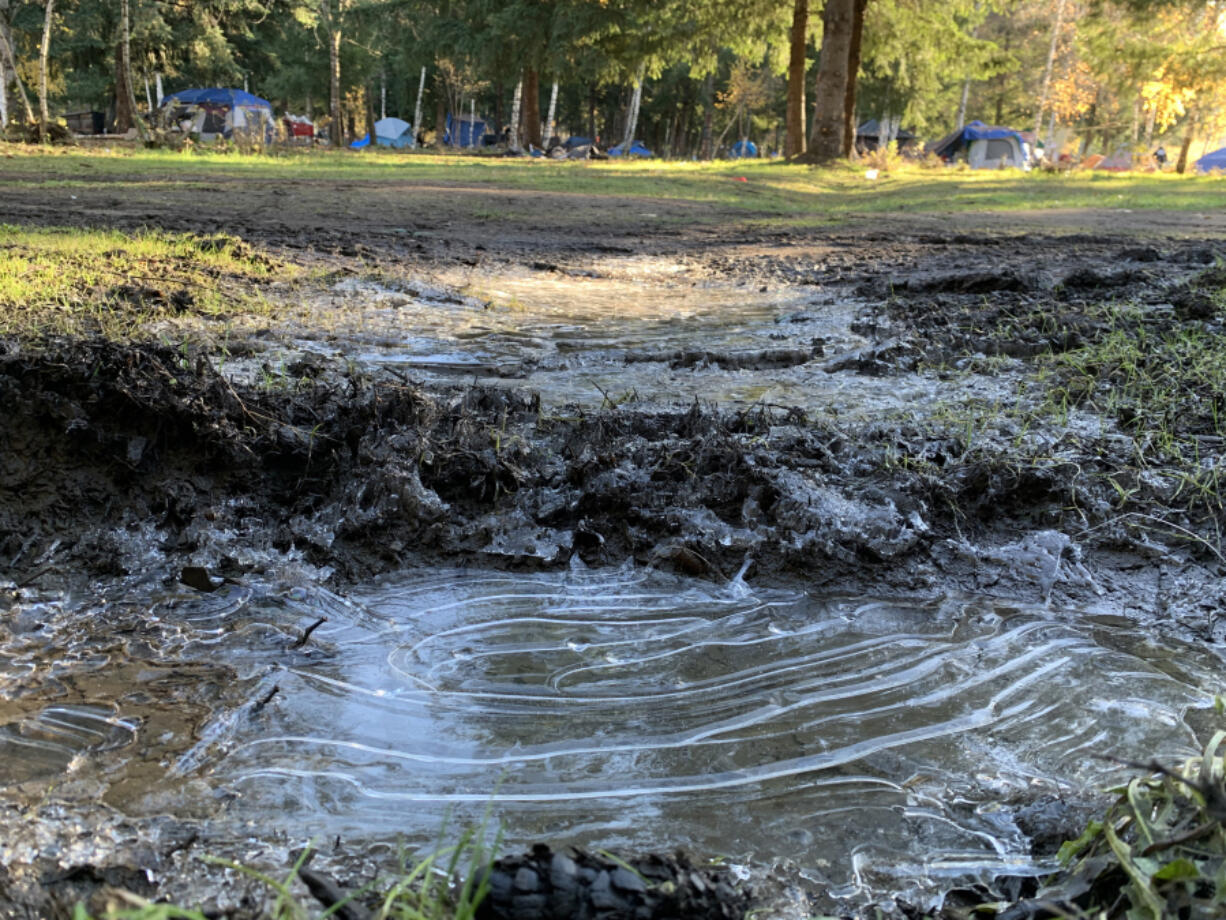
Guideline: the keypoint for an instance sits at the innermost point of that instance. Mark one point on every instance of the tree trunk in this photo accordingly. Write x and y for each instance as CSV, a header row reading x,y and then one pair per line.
x,y
333,27
129,89
123,108
1181,165
796,80
370,112
838,22
853,72
591,113
421,88
440,119
966,92
43,52
516,105
553,111
1051,60
707,150
532,107
632,116
6,47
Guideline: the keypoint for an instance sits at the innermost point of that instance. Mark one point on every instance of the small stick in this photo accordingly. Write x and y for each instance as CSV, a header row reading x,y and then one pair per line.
x,y
260,704
307,632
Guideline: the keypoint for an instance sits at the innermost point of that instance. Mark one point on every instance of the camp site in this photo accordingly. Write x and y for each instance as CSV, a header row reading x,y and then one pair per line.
x,y
582,460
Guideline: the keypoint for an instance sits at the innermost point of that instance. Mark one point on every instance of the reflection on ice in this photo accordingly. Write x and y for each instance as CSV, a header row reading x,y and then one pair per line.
x,y
881,745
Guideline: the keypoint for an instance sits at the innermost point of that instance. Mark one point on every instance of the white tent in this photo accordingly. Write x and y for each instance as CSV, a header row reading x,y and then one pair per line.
x,y
394,132
996,153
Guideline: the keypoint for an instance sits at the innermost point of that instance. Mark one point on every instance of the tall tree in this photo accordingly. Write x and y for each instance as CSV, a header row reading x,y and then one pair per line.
x,y
797,61
532,107
829,118
9,56
43,53
330,17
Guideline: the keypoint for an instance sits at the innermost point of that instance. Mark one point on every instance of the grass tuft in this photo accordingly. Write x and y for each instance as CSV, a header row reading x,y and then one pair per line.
x,y
1159,850
72,281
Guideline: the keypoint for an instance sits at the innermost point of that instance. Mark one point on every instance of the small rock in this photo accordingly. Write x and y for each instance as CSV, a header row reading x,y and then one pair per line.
x,y
526,879
626,880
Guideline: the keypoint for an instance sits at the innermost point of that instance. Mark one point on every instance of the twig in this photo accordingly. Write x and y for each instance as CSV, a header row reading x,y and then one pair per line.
x,y
265,700
307,632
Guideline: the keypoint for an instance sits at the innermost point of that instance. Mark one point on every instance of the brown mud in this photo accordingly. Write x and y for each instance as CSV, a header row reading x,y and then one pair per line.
x,y
122,457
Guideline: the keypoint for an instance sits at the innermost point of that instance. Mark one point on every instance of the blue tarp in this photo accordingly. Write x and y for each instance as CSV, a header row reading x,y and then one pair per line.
x,y
576,141
363,141
637,149
466,131
743,149
214,112
216,96
1212,161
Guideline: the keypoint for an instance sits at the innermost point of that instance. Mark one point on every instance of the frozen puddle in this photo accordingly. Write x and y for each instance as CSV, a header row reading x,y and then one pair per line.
x,y
881,746
589,341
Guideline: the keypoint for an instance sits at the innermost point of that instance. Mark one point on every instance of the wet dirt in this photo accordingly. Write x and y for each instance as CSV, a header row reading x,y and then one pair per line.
x,y
778,410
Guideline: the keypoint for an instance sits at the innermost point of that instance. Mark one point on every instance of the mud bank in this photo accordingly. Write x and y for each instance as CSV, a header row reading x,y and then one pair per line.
x,y
161,463
119,451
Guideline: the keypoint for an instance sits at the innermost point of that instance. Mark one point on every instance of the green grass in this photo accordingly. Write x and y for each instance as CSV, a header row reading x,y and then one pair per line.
x,y
1159,851
449,884
69,280
772,190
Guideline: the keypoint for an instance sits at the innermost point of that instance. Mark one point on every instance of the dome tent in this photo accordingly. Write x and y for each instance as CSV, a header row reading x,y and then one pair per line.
x,y
637,149
211,113
394,132
1211,161
984,147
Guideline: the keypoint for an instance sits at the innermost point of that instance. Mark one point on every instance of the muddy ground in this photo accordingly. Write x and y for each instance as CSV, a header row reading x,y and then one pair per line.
x,y
118,458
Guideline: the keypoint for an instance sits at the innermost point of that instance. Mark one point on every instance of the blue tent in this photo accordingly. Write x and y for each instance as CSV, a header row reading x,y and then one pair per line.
x,y
394,132
743,149
215,112
464,131
637,149
216,96
1212,161
984,145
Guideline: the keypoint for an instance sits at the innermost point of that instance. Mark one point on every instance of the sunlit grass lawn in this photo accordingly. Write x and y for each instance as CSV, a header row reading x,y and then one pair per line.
x,y
61,280
769,190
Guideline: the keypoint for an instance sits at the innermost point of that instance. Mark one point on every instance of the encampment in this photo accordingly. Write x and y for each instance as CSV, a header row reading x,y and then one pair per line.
x,y
1211,161
394,132
464,131
637,149
743,149
984,147
868,136
214,112
1120,161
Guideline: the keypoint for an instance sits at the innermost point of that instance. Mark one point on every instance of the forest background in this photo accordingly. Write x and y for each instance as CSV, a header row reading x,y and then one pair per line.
x,y
688,77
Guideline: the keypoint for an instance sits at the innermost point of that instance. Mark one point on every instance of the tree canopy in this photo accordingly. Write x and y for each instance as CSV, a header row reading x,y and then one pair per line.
x,y
1092,73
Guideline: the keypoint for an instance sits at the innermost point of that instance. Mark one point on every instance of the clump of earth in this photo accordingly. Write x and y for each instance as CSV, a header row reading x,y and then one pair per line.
x,y
288,449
